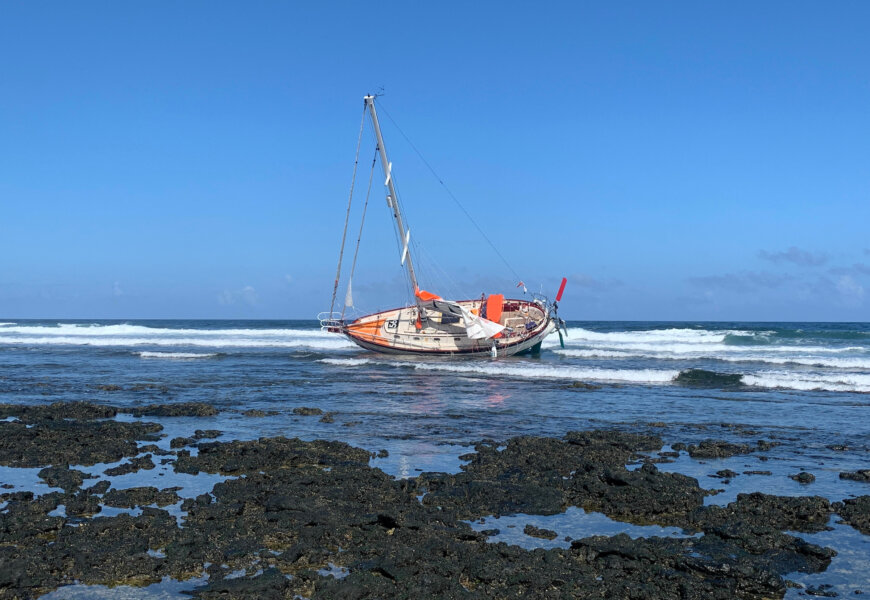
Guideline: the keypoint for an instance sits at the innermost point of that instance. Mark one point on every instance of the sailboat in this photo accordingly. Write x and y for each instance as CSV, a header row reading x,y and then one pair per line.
x,y
490,325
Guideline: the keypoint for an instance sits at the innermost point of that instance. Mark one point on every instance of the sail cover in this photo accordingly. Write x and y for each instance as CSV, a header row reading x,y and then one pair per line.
x,y
477,327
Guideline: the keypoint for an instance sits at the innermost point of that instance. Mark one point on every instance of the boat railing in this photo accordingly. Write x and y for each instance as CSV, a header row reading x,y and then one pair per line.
x,y
540,298
331,322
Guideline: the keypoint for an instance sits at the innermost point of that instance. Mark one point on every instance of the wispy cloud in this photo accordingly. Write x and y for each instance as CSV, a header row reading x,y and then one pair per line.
x,y
795,256
116,290
746,281
855,269
593,283
246,295
851,292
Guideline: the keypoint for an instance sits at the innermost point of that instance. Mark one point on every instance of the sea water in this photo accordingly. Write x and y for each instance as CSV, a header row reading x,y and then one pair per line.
x,y
803,385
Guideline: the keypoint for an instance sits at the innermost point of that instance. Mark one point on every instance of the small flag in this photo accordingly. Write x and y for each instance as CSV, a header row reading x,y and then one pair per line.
x,y
523,285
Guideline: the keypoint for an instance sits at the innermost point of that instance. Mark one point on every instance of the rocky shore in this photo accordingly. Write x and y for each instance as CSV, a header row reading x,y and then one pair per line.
x,y
313,519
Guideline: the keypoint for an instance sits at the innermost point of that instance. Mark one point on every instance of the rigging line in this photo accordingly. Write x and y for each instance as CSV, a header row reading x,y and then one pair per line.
x,y
347,215
362,222
450,193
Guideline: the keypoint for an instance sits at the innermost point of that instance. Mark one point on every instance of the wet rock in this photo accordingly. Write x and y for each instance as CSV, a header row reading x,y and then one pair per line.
x,y
155,450
307,411
803,477
82,411
582,385
603,440
63,477
838,447
702,378
141,387
544,534
717,449
177,409
725,474
382,454
141,496
82,504
808,514
235,457
303,506
328,417
855,512
825,590
142,462
180,442
765,445
109,387
255,412
271,584
584,469
58,442
859,475
757,473
99,488
202,434
646,495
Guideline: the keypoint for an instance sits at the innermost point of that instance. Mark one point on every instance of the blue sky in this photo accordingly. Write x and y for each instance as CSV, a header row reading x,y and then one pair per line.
x,y
677,161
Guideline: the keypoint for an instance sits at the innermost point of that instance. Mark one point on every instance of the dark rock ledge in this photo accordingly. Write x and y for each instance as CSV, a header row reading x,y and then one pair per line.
x,y
296,507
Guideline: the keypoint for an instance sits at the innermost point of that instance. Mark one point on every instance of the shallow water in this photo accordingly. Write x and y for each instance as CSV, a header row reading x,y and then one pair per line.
x,y
803,385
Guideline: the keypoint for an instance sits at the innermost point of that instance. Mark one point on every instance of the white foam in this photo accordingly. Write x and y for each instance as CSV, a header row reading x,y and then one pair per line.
x,y
521,370
346,362
689,336
845,382
681,341
802,359
6,324
138,335
177,355
597,353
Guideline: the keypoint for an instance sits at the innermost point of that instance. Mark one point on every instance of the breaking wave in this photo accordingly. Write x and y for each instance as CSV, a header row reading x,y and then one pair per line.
x,y
518,370
139,335
804,360
846,382
178,355
688,377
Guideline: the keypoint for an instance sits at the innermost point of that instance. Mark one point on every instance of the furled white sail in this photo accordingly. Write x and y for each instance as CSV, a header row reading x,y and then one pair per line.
x,y
348,298
405,249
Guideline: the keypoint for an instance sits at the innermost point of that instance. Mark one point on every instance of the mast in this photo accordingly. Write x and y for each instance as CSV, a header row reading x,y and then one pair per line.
x,y
392,198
